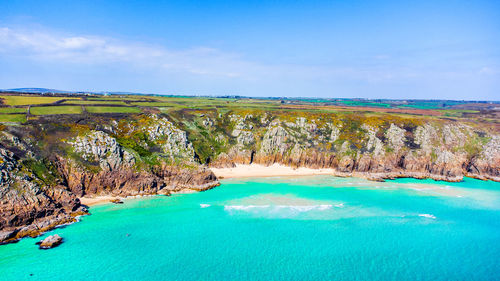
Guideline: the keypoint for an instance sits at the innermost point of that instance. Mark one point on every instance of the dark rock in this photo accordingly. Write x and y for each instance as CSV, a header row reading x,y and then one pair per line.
x,y
116,201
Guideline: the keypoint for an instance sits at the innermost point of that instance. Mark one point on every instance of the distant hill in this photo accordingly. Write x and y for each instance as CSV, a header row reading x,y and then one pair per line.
x,y
55,91
36,90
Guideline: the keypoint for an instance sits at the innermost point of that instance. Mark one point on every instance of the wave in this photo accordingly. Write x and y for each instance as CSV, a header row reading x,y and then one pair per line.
x,y
204,205
430,216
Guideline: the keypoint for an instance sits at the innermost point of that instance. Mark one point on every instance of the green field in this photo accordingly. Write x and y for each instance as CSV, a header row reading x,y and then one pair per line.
x,y
30,99
18,118
197,100
457,113
171,104
119,98
112,109
430,104
12,110
48,110
87,102
206,103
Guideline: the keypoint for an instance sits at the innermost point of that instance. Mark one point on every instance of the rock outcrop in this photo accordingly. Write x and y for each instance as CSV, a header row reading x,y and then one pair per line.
x,y
486,164
27,208
129,182
442,151
100,147
40,193
50,242
173,140
120,177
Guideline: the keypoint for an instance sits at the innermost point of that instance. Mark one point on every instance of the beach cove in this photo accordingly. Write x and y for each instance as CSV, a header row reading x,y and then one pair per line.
x,y
280,228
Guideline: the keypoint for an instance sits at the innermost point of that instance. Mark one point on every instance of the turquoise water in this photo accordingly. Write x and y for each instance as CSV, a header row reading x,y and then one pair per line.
x,y
307,228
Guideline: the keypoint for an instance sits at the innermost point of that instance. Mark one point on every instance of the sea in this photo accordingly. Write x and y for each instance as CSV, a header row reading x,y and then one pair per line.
x,y
280,228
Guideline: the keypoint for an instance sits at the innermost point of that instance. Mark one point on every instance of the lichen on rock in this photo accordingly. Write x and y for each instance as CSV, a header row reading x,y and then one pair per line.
x,y
395,137
173,140
99,146
276,139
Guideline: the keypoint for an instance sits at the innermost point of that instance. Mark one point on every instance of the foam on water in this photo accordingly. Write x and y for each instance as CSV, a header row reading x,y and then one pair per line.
x,y
427,216
280,205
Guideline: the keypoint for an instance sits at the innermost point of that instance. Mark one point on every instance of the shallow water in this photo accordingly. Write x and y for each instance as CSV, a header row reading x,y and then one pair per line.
x,y
283,228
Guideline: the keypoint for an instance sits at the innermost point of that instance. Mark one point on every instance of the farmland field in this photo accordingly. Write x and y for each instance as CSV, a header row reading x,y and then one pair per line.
x,y
86,102
29,99
48,110
112,109
96,104
12,118
12,110
155,104
119,98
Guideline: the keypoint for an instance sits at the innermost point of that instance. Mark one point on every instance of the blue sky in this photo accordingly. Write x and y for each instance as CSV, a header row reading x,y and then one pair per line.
x,y
371,49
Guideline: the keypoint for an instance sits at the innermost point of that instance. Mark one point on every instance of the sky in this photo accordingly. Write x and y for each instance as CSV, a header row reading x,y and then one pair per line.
x,y
331,49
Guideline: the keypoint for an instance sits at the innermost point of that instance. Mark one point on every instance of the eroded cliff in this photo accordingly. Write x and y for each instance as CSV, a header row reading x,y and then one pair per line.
x,y
47,166
369,147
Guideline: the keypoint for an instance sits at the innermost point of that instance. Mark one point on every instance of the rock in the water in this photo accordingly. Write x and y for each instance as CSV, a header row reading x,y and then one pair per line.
x,y
50,242
116,201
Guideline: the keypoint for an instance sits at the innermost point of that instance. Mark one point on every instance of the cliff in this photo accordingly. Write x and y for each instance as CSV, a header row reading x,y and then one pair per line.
x,y
46,167
367,147
48,163
27,206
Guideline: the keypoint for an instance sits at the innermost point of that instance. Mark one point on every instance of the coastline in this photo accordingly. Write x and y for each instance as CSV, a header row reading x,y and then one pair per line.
x,y
239,171
108,199
97,200
280,170
275,170
105,199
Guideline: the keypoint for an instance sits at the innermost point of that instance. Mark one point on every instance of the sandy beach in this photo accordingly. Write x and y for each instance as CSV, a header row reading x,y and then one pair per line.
x,y
96,200
256,170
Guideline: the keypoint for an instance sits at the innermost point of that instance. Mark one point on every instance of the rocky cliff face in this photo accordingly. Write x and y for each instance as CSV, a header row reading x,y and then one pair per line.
x,y
40,191
27,207
100,147
124,171
376,149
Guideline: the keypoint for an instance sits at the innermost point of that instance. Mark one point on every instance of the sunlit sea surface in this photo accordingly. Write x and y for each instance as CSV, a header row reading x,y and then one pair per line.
x,y
282,228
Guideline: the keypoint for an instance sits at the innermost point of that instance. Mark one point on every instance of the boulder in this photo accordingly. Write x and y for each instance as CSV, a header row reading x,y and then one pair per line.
x,y
116,201
50,242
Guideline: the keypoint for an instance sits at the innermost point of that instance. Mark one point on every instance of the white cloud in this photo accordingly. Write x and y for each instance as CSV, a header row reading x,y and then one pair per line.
x,y
50,47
